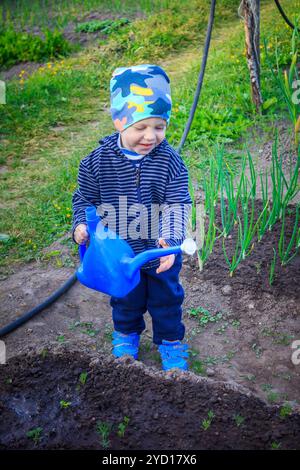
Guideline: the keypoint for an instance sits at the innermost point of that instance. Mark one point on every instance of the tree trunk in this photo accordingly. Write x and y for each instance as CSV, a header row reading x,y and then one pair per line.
x,y
251,12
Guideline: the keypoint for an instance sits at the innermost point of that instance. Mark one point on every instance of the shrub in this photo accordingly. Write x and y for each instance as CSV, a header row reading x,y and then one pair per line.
x,y
21,47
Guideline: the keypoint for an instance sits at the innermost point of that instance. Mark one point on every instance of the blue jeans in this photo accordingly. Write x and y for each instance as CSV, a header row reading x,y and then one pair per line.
x,y
162,295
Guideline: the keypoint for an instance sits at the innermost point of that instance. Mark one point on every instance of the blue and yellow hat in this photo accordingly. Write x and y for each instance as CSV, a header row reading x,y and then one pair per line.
x,y
139,92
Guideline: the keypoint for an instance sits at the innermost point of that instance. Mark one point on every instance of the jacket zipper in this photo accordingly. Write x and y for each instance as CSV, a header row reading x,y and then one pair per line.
x,y
138,188
137,182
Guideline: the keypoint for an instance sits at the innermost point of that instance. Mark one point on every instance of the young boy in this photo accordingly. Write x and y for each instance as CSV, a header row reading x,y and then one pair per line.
x,y
137,166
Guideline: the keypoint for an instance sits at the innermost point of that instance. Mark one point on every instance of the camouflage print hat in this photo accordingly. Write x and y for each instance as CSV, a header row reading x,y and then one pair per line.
x,y
139,92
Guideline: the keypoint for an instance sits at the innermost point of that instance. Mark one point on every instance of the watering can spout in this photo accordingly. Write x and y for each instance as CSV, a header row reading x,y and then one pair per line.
x,y
132,265
109,264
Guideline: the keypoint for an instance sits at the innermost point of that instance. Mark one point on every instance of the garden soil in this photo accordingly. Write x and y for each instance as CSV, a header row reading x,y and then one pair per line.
x,y
240,331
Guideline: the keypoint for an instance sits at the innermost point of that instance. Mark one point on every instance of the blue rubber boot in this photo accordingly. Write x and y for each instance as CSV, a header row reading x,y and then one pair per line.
x,y
173,354
125,344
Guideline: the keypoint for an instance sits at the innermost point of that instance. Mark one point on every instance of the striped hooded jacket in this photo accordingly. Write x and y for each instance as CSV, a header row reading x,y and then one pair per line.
x,y
139,204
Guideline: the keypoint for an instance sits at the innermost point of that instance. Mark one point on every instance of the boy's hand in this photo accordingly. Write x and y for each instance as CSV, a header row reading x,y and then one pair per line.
x,y
166,262
81,234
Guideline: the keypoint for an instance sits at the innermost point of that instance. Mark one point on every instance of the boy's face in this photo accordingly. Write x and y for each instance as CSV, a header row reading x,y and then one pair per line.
x,y
144,135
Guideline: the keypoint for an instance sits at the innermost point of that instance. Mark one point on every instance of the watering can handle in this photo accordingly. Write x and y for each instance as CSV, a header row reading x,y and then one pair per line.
x,y
81,251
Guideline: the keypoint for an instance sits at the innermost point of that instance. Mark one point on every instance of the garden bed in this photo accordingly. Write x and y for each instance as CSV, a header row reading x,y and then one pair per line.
x,y
122,405
240,331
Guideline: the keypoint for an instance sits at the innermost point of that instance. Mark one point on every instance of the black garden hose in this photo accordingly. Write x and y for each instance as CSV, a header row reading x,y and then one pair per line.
x,y
200,77
26,316
281,11
65,287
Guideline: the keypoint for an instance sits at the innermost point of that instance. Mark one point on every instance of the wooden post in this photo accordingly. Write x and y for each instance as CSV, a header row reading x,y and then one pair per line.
x,y
251,14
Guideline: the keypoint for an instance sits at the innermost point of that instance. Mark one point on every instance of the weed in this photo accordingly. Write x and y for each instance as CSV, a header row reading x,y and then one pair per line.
x,y
207,422
155,356
107,336
235,323
267,332
65,404
88,328
249,377
104,430
146,346
258,267
272,397
60,339
266,387
278,337
44,353
198,367
83,377
238,420
285,410
204,316
275,445
221,330
211,360
283,338
230,355
122,426
35,434
257,349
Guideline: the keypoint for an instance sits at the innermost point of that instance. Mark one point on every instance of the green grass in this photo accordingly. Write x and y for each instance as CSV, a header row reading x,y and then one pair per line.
x,y
48,123
58,13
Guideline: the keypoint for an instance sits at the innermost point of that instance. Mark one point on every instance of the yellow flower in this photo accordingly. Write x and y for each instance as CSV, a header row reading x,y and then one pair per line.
x,y
68,215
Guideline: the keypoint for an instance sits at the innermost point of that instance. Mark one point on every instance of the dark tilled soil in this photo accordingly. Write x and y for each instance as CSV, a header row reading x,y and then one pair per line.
x,y
243,362
253,273
165,411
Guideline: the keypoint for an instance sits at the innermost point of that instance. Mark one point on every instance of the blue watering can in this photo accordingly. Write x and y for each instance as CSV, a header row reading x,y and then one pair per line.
x,y
109,264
